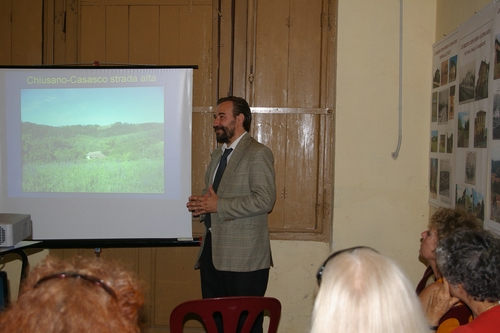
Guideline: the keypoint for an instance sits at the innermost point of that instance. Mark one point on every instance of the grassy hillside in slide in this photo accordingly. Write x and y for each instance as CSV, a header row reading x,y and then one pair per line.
x,y
54,159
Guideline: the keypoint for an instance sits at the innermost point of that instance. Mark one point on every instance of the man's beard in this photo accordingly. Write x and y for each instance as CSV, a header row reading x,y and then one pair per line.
x,y
227,133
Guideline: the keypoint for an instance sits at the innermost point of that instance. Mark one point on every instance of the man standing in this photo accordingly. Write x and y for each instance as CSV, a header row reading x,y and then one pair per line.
x,y
235,254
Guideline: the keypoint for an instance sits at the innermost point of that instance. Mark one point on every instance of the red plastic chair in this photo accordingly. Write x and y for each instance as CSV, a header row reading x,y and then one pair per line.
x,y
231,309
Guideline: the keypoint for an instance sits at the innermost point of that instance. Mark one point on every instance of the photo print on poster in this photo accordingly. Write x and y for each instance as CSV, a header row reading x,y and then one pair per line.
x,y
451,103
496,116
444,180
483,73
449,142
434,110
496,70
478,204
463,130
470,168
495,185
453,68
464,197
466,85
444,73
434,141
480,132
442,143
443,106
433,175
436,79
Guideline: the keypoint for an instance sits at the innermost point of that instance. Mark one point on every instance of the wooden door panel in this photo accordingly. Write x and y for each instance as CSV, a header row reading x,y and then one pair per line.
x,y
186,39
304,66
117,34
170,38
128,257
242,36
144,35
175,281
271,54
325,174
5,32
268,129
92,34
62,34
145,2
66,254
203,143
302,161
296,143
224,43
27,32
195,48
289,41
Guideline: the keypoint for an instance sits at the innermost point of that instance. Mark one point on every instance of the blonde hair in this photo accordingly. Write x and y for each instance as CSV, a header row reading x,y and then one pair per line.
x,y
364,291
84,295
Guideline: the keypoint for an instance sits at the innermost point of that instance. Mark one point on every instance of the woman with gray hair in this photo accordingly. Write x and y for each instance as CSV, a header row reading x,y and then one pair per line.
x,y
364,291
470,263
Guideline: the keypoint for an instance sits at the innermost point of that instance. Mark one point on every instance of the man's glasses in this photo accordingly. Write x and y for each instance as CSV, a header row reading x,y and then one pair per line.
x,y
96,281
333,255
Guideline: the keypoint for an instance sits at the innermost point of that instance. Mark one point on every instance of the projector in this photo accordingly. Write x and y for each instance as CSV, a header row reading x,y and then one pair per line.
x,y
14,228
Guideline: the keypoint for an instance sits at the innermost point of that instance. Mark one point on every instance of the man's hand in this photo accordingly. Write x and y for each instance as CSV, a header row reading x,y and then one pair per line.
x,y
439,303
202,204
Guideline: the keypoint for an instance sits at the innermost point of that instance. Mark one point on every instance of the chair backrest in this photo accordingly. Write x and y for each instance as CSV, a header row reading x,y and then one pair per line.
x,y
231,309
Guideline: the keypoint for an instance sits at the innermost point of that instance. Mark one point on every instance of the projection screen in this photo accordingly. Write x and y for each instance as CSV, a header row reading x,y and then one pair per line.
x,y
97,152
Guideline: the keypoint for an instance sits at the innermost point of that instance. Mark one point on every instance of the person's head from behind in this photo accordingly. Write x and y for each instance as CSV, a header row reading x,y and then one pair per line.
x,y
441,224
364,291
84,295
470,261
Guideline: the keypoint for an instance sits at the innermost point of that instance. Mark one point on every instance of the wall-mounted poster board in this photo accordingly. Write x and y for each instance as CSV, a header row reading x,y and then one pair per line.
x,y
465,118
97,152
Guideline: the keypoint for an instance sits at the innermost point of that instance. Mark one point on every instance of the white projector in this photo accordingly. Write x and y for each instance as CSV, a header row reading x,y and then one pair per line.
x,y
14,228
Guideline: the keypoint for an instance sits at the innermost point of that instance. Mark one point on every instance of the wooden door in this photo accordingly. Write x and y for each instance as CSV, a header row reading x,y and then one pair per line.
x,y
278,54
20,32
119,32
288,72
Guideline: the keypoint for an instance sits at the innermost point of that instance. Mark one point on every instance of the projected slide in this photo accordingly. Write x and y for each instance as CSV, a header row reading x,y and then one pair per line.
x,y
97,152
96,140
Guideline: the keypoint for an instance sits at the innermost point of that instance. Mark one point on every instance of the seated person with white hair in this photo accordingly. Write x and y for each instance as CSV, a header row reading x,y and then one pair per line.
x,y
363,291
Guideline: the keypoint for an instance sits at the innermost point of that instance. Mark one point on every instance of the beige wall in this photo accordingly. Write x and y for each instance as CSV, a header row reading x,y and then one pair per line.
x,y
381,201
451,13
378,201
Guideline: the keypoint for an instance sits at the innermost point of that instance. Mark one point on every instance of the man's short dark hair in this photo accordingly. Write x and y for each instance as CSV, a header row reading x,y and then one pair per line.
x,y
472,258
240,106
